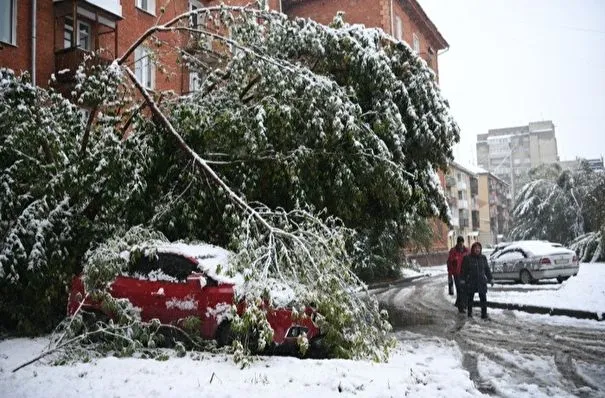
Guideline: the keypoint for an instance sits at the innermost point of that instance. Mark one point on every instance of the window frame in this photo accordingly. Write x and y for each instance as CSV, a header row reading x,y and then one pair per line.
x,y
195,5
12,20
416,43
195,81
398,28
144,68
76,39
149,8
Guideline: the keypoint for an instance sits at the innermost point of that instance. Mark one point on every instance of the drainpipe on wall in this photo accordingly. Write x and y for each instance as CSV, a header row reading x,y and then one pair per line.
x,y
391,12
280,7
34,9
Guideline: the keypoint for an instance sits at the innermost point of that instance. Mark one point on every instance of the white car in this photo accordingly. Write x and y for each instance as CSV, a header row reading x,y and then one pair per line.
x,y
528,261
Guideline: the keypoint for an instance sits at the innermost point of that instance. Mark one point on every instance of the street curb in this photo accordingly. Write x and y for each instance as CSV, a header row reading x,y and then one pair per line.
x,y
534,309
395,282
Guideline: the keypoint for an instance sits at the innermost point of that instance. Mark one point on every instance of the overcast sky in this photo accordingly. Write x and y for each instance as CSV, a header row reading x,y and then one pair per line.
x,y
515,61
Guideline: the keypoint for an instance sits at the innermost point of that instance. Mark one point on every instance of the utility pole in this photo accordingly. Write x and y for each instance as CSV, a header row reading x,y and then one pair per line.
x,y
512,176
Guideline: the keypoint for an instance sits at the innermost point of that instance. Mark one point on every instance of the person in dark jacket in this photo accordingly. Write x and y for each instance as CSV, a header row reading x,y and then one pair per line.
x,y
454,270
476,275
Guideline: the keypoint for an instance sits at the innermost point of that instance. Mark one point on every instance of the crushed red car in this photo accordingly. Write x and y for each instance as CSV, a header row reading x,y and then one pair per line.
x,y
178,281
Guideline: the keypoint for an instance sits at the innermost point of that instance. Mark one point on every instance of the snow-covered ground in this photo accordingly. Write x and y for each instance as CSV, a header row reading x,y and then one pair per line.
x,y
431,369
586,291
420,366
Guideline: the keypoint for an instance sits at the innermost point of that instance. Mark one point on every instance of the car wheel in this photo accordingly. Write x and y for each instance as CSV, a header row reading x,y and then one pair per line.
x,y
318,348
525,277
91,317
224,334
560,279
225,337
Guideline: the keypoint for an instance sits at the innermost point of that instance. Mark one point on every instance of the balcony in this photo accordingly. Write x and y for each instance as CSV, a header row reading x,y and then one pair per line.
x,y
68,60
111,7
452,201
463,204
461,185
83,26
494,199
474,186
475,219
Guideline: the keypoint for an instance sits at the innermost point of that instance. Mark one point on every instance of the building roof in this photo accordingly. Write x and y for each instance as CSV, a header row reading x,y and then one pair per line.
x,y
420,16
466,168
476,170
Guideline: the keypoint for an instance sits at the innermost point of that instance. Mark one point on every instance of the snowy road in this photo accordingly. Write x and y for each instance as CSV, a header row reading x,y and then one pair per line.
x,y
512,354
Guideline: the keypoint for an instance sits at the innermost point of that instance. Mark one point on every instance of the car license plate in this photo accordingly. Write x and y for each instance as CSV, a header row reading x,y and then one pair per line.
x,y
561,261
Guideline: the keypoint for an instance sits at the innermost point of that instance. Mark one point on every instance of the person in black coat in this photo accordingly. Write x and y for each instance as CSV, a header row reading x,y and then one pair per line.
x,y
476,275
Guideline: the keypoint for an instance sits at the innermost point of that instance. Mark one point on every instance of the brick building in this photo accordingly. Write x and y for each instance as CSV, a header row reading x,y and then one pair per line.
x,y
52,44
65,31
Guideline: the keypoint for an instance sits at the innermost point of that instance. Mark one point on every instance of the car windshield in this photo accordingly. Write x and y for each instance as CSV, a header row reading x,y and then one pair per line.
x,y
162,266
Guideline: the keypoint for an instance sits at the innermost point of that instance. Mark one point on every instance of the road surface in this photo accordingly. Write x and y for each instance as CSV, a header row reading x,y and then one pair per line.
x,y
508,355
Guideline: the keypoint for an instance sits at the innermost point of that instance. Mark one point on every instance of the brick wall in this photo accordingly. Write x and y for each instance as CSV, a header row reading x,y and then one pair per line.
x,y
367,12
18,57
173,76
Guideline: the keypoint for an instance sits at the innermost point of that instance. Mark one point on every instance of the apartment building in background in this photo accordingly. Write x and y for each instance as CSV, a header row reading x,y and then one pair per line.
x,y
594,164
461,191
480,205
509,153
495,205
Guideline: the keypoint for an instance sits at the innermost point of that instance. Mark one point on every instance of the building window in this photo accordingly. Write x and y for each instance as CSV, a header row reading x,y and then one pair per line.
x,y
143,67
416,43
195,81
398,28
8,21
83,34
195,5
431,58
147,5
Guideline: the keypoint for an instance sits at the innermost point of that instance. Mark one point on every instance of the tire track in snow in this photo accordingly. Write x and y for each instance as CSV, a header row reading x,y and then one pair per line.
x,y
427,310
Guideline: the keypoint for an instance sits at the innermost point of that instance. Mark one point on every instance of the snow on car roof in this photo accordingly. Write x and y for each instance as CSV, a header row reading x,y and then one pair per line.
x,y
538,247
209,258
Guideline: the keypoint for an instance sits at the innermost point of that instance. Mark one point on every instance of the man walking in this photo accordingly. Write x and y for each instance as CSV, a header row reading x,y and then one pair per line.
x,y
476,275
454,269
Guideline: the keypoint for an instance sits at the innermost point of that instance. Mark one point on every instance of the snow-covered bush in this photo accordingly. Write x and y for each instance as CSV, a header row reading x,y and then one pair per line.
x,y
57,196
341,118
561,206
311,257
590,247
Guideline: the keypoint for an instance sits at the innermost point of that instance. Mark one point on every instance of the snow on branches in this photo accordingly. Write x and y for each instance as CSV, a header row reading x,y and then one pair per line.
x,y
58,195
342,118
310,257
562,206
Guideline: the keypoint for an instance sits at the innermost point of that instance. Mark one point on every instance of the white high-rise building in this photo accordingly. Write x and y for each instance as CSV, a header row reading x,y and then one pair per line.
x,y
509,153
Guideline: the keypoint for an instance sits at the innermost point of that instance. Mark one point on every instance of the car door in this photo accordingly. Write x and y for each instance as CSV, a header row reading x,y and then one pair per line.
x,y
508,264
157,285
217,301
179,295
